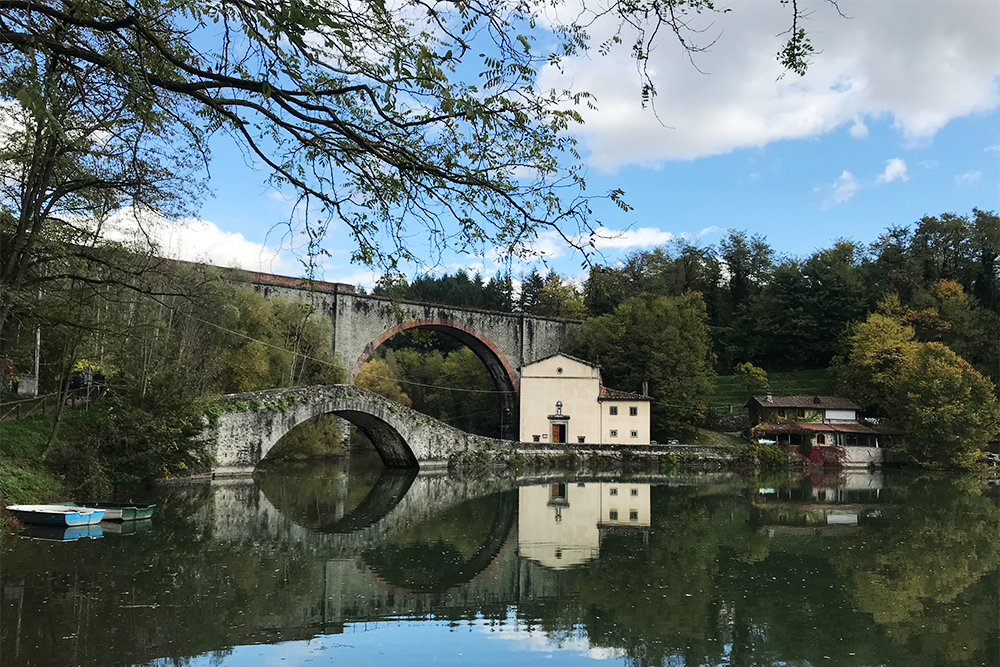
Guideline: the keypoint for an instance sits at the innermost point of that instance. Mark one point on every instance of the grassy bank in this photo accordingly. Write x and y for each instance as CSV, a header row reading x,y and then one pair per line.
x,y
24,477
729,391
703,437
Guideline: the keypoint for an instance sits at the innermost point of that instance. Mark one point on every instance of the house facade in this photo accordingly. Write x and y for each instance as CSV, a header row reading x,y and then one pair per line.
x,y
564,402
811,420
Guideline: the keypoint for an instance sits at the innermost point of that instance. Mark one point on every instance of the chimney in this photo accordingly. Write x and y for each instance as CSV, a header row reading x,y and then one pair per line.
x,y
645,387
816,400
769,398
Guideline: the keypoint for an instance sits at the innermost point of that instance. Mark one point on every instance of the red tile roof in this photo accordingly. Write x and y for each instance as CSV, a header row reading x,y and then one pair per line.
x,y
814,402
815,427
615,395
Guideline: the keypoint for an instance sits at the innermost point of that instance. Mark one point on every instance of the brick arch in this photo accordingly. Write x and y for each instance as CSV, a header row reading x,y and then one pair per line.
x,y
504,376
445,326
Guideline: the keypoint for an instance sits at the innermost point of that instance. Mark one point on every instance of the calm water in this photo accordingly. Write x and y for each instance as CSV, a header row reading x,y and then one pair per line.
x,y
342,565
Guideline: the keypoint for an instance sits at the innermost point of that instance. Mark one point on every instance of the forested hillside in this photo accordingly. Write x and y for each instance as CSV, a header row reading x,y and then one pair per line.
x,y
679,314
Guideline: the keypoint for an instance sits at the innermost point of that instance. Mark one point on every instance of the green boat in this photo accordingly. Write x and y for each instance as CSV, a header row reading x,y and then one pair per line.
x,y
118,511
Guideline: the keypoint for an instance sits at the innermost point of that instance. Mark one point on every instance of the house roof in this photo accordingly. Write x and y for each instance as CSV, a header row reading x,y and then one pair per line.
x,y
563,354
814,402
615,395
815,427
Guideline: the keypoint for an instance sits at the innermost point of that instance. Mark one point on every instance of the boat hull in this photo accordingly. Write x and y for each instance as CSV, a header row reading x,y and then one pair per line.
x,y
55,515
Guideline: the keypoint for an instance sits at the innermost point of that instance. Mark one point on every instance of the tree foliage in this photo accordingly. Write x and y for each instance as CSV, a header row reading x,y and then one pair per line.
x,y
275,343
945,408
753,378
365,110
379,376
664,340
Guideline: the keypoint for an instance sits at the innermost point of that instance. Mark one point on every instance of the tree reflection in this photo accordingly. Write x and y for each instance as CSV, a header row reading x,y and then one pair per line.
x,y
711,581
915,584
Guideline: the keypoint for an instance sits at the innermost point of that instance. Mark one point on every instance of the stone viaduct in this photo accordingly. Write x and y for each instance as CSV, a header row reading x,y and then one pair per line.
x,y
503,341
246,427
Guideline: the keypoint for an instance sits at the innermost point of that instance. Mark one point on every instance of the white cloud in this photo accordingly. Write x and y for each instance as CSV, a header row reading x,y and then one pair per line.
x,y
928,164
643,237
920,63
841,190
197,240
361,277
708,230
894,168
968,179
859,130
534,640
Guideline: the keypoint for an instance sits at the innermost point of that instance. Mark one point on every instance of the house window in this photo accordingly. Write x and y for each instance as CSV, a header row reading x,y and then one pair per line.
x,y
634,434
634,492
781,412
581,438
614,433
536,438
613,491
613,515
613,410
633,515
801,412
633,412
820,439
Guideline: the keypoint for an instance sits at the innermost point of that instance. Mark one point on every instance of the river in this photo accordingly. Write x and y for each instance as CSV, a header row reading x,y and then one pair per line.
x,y
339,563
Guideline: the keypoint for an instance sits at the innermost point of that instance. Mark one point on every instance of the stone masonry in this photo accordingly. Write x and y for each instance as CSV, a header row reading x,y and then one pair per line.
x,y
250,424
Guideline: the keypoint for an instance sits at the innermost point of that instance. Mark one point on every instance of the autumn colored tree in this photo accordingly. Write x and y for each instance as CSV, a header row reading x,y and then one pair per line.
x,y
945,408
378,376
753,378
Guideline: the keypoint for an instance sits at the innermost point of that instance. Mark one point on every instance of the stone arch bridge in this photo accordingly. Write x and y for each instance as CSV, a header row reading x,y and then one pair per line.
x,y
504,342
246,426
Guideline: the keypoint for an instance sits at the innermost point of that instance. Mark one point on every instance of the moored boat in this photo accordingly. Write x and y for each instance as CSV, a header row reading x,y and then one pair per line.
x,y
118,511
56,515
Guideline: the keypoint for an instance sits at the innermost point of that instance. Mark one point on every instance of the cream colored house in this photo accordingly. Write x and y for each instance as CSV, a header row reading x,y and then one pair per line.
x,y
564,402
561,525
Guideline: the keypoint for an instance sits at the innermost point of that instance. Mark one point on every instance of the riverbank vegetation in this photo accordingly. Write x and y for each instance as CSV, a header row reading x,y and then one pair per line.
x,y
132,366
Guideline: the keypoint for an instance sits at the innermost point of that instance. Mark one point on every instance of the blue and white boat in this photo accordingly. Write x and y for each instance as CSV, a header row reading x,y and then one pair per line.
x,y
56,515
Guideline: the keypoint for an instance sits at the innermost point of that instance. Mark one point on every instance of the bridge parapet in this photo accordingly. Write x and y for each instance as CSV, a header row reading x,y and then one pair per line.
x,y
246,426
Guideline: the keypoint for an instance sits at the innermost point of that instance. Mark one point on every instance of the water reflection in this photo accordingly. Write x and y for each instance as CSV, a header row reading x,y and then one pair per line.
x,y
852,570
561,524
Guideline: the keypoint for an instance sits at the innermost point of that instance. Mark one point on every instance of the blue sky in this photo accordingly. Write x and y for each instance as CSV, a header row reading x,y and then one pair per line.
x,y
896,119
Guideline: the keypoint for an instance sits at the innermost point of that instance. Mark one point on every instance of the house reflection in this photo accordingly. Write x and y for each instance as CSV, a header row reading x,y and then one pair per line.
x,y
561,525
829,506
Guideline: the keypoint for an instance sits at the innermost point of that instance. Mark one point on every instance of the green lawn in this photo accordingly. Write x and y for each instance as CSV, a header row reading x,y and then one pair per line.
x,y
24,477
729,391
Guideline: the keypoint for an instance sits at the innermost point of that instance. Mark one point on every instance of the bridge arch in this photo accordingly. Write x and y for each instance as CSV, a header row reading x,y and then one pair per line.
x,y
251,424
503,374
